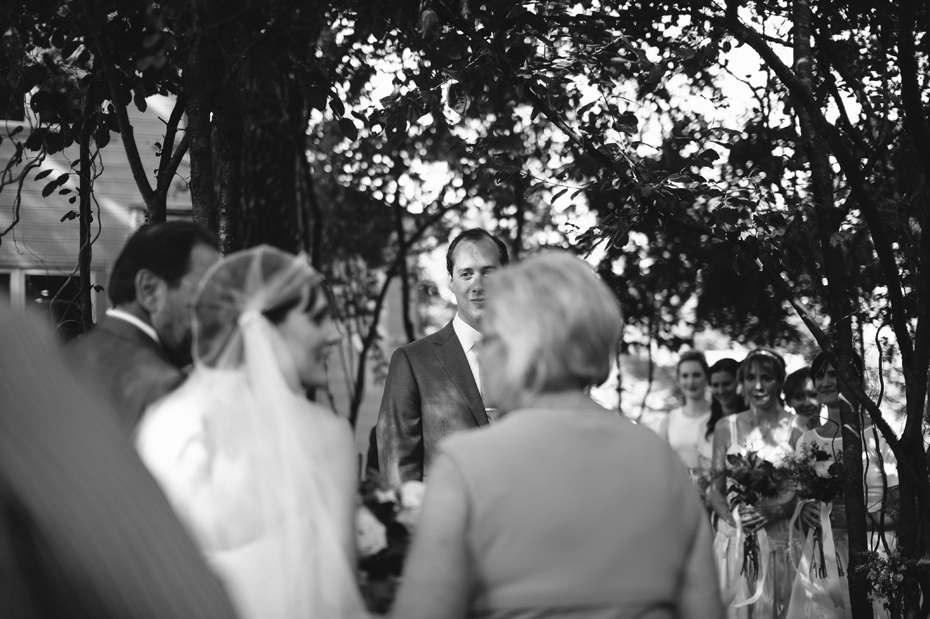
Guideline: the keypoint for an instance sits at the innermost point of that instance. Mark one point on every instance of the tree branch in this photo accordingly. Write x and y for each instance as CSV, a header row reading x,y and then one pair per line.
x,y
125,127
849,163
168,164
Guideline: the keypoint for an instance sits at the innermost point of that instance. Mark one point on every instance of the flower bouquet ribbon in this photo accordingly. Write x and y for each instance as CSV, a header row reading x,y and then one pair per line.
x,y
752,560
818,570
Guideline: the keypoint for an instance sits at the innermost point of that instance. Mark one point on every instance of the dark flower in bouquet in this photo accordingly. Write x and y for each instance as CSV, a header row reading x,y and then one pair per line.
x,y
750,479
815,473
385,521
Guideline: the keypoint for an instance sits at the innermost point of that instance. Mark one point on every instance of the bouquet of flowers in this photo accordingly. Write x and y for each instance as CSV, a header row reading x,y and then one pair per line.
x,y
815,473
749,479
887,574
385,521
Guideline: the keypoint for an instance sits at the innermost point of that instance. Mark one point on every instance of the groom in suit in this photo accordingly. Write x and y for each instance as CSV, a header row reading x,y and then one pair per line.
x,y
432,387
136,354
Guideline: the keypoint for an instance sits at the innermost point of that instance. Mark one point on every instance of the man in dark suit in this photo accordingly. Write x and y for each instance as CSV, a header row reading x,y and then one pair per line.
x,y
136,354
433,385
85,531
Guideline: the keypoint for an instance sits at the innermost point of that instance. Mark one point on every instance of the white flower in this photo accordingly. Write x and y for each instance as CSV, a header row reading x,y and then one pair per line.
x,y
411,498
411,494
822,468
370,534
385,496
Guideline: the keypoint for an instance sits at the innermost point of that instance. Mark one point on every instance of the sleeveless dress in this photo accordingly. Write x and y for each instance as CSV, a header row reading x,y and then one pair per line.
x,y
686,435
809,597
728,545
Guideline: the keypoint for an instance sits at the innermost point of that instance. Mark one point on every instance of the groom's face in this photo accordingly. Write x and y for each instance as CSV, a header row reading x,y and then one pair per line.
x,y
473,261
173,321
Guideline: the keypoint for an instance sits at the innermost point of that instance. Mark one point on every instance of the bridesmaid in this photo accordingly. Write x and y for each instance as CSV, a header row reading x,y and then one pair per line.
x,y
725,397
685,427
767,429
880,483
802,398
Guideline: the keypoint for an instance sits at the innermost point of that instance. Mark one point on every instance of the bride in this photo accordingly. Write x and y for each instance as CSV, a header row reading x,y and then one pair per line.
x,y
264,479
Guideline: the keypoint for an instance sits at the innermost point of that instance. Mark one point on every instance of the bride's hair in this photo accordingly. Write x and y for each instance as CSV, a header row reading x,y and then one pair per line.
x,y
264,280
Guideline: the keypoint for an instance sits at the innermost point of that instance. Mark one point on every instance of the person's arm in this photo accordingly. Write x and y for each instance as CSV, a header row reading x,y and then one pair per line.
x,y
436,579
892,496
699,593
662,428
717,491
400,425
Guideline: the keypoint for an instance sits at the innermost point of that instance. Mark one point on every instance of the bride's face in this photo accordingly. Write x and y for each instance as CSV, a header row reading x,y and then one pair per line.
x,y
310,334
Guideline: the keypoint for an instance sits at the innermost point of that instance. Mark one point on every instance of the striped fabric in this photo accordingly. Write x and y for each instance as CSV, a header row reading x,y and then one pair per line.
x,y
84,529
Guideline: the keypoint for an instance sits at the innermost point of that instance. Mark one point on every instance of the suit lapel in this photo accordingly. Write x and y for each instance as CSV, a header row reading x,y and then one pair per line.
x,y
451,356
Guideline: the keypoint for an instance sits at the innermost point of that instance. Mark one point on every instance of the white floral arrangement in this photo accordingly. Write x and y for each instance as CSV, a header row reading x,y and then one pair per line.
x,y
385,521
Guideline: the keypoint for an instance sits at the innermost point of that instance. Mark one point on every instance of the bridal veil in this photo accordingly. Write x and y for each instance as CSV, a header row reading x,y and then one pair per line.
x,y
263,477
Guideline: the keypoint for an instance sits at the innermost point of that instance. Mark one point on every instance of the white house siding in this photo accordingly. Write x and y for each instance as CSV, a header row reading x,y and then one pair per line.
x,y
41,243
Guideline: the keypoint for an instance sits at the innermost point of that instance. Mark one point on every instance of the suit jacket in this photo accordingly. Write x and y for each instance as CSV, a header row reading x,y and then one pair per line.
x,y
85,531
133,370
430,392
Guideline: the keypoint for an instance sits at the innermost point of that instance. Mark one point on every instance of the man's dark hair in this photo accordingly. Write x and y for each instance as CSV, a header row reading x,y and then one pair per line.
x,y
164,249
476,235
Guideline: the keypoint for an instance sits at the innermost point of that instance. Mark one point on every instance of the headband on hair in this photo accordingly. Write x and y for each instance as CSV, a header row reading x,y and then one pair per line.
x,y
766,353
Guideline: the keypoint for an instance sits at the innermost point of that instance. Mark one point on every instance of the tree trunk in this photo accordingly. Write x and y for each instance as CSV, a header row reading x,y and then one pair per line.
x,y
401,261
519,200
199,80
916,539
838,291
314,218
271,189
85,218
227,121
169,161
358,392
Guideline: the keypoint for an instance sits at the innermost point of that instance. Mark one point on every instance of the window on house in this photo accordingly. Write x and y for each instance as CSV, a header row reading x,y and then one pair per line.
x,y
5,288
56,298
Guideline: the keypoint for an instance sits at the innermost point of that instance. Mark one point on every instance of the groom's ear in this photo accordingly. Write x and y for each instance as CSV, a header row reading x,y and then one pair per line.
x,y
151,291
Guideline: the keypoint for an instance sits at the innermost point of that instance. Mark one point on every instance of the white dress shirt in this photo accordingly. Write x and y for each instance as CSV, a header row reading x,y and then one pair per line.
x,y
136,322
469,338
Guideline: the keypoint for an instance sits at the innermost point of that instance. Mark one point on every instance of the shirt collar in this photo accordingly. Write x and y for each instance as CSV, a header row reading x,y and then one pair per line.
x,y
468,335
135,321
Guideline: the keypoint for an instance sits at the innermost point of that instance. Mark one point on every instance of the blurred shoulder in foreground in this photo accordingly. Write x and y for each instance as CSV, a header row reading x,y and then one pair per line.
x,y
84,529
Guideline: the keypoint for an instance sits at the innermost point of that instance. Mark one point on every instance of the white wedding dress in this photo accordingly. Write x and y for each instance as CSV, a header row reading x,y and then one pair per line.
x,y
264,479
265,514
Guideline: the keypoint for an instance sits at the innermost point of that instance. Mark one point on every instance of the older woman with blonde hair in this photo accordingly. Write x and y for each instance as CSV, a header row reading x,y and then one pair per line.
x,y
563,507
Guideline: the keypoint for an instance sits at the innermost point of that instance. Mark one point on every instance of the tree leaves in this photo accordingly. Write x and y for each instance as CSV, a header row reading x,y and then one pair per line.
x,y
348,128
458,98
55,184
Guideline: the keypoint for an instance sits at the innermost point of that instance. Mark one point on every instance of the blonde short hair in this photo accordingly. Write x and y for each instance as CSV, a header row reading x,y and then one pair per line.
x,y
559,324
